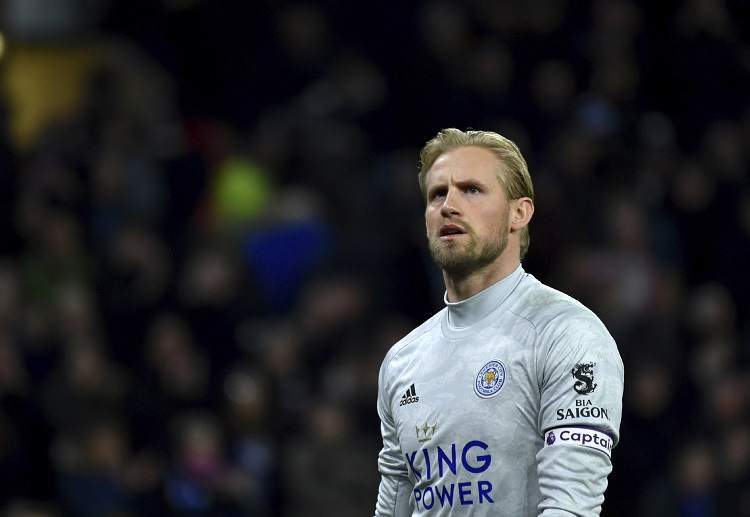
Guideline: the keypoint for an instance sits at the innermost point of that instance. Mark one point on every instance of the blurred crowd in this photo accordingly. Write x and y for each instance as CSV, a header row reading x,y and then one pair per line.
x,y
212,233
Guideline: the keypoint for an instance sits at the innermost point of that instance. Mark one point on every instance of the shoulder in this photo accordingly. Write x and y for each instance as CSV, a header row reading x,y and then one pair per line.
x,y
568,335
543,306
406,343
409,343
561,323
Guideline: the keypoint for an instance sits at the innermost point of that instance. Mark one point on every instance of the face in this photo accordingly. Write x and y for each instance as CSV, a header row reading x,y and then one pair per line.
x,y
467,212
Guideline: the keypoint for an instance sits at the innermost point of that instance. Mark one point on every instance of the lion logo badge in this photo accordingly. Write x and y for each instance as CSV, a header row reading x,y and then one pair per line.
x,y
490,379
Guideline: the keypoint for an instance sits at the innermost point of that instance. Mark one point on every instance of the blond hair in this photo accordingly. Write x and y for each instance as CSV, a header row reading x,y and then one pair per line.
x,y
513,172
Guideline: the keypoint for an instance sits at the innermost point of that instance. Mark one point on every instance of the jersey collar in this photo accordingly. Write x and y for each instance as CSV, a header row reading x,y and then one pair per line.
x,y
469,312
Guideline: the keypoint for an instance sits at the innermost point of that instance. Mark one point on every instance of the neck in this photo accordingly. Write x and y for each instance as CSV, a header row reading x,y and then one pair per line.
x,y
459,288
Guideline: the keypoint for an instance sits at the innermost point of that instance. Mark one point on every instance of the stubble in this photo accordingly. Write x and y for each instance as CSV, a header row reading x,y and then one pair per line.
x,y
461,260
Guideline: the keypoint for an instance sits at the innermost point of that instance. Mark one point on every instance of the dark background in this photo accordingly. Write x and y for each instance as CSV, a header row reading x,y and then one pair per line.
x,y
212,233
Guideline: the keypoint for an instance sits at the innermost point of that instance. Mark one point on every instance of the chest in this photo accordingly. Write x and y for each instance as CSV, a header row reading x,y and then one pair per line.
x,y
485,388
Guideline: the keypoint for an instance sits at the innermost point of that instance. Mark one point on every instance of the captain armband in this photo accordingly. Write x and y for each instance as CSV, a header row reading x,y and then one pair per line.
x,y
579,436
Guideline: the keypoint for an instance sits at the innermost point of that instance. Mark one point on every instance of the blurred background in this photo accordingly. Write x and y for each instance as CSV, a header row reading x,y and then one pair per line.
x,y
212,233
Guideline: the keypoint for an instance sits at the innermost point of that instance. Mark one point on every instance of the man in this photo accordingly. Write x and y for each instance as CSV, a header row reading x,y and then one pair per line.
x,y
508,401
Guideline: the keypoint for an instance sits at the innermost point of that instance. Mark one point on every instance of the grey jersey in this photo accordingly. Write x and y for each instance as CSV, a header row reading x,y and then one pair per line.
x,y
507,403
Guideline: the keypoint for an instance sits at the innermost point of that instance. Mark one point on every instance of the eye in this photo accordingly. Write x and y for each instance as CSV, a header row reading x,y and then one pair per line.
x,y
437,193
474,190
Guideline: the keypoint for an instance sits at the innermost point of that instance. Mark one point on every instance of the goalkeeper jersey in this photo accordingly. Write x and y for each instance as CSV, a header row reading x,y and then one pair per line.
x,y
504,404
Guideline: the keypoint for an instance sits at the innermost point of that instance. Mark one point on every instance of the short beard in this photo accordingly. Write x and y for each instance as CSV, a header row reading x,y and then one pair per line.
x,y
477,255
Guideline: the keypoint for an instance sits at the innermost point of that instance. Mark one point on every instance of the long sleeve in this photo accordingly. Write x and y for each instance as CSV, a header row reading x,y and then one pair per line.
x,y
581,407
395,487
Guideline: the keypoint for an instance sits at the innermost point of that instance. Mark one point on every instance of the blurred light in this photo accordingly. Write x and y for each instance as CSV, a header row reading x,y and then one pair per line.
x,y
241,388
2,45
241,190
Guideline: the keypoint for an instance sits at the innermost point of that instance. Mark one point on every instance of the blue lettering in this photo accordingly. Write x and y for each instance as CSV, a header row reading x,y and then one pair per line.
x,y
486,459
444,496
464,490
424,498
484,491
410,460
451,462
427,462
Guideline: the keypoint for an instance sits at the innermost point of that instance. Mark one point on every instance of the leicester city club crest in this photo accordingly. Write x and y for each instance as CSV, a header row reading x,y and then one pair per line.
x,y
490,379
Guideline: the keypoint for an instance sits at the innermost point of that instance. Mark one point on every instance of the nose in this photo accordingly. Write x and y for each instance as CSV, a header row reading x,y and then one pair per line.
x,y
450,204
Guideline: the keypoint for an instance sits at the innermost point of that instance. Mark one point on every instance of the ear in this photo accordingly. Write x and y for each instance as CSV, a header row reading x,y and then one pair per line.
x,y
521,210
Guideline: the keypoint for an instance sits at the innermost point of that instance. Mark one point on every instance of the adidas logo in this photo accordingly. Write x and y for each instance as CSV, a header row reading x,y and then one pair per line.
x,y
410,396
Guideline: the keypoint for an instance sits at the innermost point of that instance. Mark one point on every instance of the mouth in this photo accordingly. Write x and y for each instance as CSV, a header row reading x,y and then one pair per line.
x,y
451,230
